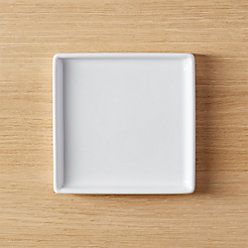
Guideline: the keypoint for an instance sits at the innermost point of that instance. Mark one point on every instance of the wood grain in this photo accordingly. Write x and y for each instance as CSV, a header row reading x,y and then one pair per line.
x,y
31,32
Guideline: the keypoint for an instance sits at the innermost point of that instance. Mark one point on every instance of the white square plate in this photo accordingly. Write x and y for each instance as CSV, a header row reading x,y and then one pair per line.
x,y
124,123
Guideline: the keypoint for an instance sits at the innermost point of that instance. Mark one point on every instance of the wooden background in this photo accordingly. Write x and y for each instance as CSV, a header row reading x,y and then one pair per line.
x,y
31,32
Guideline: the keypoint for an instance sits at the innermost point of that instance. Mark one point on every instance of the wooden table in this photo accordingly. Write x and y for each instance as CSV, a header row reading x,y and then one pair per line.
x,y
31,32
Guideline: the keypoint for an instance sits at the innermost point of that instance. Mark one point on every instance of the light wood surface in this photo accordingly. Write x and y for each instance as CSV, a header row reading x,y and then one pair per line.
x,y
31,32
